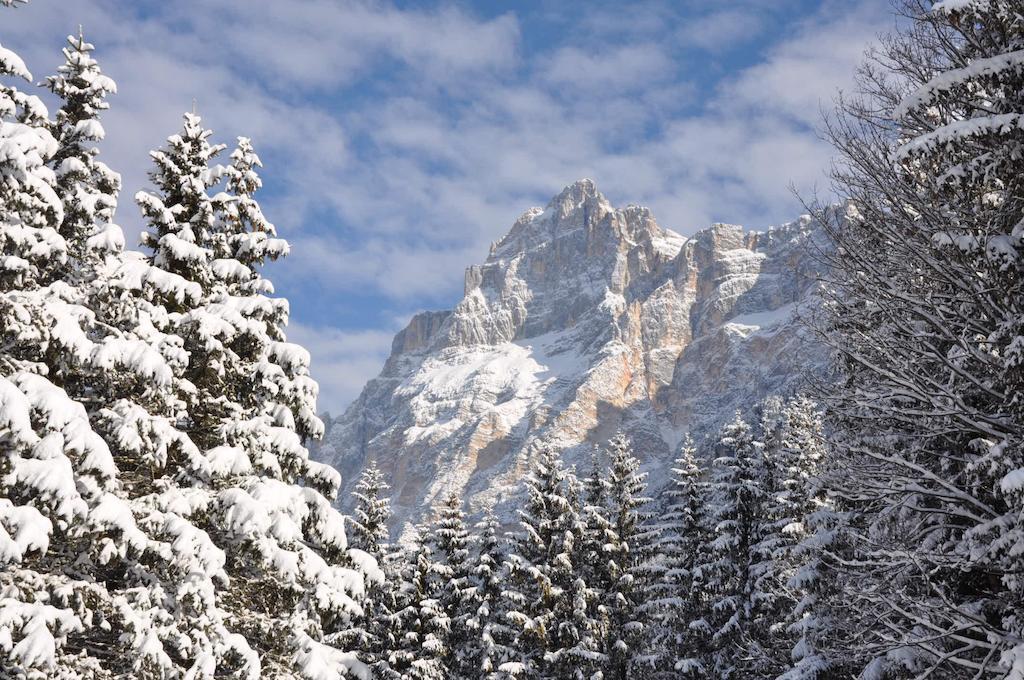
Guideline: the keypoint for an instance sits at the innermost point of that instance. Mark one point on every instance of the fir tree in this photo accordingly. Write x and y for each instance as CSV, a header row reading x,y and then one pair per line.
x,y
158,548
792,451
86,186
678,640
369,520
449,540
736,501
424,623
549,602
30,244
490,636
56,474
245,235
374,632
597,563
631,547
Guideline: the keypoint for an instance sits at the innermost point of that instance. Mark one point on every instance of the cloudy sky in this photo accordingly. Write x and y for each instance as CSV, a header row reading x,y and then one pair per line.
x,y
401,138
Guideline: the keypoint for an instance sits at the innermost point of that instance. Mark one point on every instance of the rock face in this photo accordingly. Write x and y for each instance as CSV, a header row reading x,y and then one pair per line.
x,y
583,321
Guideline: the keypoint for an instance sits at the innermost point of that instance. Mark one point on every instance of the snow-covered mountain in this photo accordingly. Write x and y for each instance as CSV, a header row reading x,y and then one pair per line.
x,y
584,320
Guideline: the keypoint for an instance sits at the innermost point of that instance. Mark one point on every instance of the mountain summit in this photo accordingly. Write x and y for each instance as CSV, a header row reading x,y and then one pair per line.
x,y
584,320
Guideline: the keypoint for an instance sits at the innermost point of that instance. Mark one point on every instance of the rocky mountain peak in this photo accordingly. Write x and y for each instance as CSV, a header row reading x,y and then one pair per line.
x,y
585,319
578,206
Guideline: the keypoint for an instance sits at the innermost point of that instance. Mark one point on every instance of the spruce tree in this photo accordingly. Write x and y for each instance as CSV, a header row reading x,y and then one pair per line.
x,y
86,186
792,451
549,601
489,635
579,643
597,564
423,622
31,247
676,600
449,540
249,407
736,501
369,521
55,472
374,632
628,552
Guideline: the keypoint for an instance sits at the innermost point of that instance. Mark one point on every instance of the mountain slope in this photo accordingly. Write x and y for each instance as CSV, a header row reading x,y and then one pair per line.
x,y
584,319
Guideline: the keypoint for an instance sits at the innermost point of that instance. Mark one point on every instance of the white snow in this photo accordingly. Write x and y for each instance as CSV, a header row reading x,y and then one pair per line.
x,y
958,130
763,320
948,79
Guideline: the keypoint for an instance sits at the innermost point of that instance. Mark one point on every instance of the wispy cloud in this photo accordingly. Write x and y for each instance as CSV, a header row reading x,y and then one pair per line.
x,y
342,360
399,141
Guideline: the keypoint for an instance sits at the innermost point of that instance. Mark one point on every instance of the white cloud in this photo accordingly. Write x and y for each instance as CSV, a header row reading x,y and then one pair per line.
x,y
622,68
722,30
342,360
390,186
801,75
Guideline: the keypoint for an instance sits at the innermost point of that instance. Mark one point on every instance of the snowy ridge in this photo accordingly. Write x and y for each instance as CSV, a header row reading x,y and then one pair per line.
x,y
584,319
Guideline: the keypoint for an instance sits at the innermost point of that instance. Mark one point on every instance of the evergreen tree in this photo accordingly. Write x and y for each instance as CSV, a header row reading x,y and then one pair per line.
x,y
489,635
823,618
549,601
86,186
136,542
631,547
424,623
31,247
245,235
250,406
675,601
736,501
374,634
792,451
597,563
57,477
369,521
181,213
579,643
449,540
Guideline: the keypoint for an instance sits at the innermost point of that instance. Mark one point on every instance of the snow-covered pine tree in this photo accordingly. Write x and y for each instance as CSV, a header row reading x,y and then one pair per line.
x,y
181,214
579,650
86,186
793,448
925,318
423,622
31,248
369,520
630,548
449,541
490,637
54,469
275,571
597,564
736,499
76,595
824,624
375,632
247,236
675,603
548,600
766,647
182,220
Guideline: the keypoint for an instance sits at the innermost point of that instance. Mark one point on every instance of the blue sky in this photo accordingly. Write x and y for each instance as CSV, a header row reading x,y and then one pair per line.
x,y
401,138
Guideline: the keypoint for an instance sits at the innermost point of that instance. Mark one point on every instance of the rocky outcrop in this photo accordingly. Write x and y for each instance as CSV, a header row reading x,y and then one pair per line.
x,y
584,320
